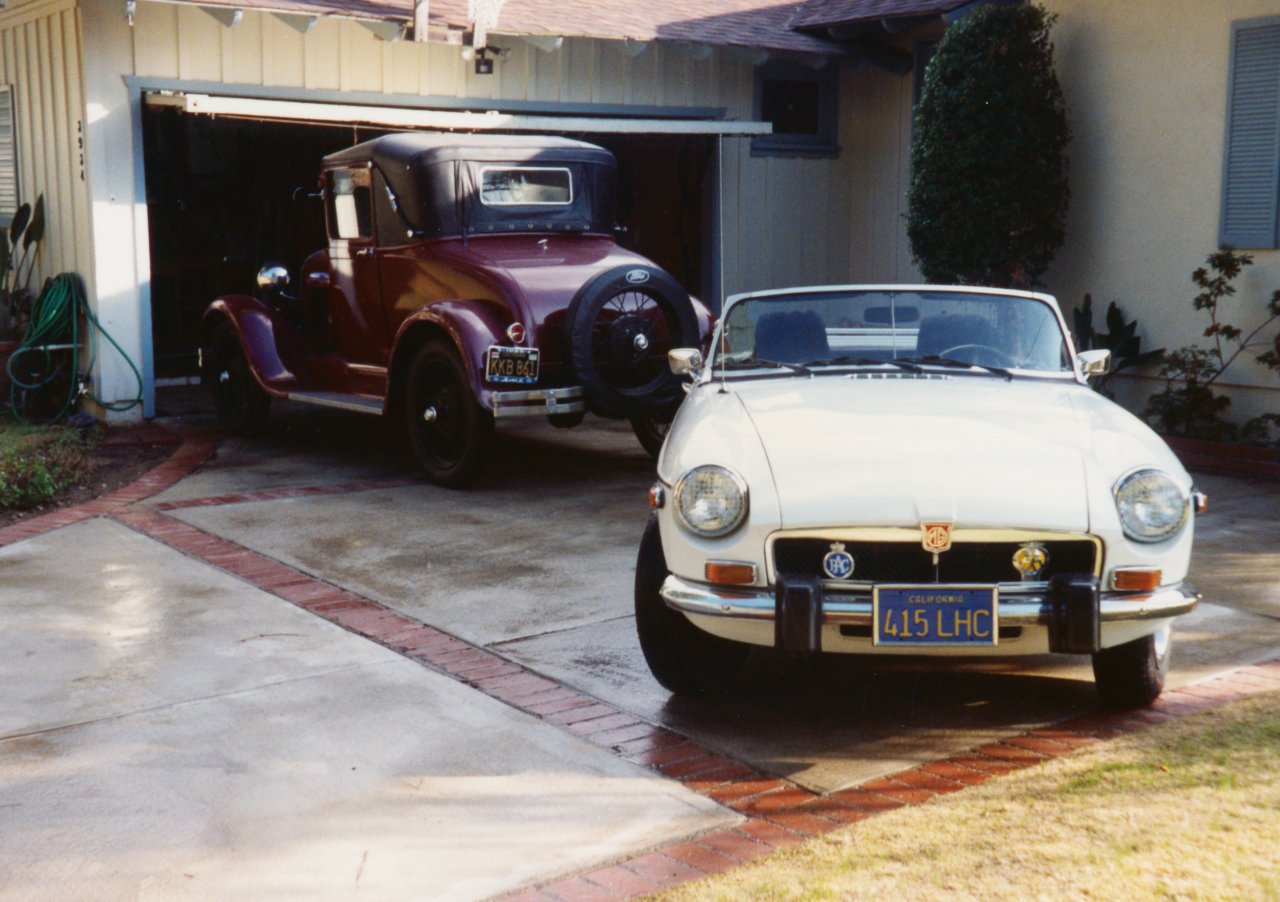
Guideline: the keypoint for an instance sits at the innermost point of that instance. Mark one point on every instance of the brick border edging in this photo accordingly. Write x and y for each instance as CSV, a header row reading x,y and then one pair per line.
x,y
778,813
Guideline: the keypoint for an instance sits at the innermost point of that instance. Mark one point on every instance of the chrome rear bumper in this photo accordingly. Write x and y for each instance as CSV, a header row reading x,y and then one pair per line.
x,y
539,402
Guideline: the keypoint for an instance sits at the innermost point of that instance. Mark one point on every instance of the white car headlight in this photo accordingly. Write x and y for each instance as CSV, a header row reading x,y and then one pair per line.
x,y
1151,504
711,501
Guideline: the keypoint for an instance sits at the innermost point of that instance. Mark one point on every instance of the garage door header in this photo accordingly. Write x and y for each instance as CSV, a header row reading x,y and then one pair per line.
x,y
404,117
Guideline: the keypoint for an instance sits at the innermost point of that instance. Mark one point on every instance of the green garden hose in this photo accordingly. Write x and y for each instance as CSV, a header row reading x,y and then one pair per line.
x,y
54,336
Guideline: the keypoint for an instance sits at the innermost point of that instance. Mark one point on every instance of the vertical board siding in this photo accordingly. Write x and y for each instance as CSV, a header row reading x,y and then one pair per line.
x,y
1251,180
41,64
199,44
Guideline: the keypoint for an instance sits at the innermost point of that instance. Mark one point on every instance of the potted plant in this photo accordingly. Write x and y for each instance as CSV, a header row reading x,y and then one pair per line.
x,y
19,246
1190,411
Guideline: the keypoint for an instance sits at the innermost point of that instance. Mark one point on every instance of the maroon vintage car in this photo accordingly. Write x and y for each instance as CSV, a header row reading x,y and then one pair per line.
x,y
468,278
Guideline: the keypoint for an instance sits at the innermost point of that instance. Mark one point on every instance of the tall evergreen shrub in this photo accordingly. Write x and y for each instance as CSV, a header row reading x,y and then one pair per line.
x,y
987,202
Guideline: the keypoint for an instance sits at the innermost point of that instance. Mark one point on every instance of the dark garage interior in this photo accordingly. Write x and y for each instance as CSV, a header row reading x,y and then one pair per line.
x,y
221,200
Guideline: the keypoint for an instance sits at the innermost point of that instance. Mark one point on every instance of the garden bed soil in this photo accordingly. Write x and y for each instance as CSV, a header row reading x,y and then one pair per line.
x,y
118,459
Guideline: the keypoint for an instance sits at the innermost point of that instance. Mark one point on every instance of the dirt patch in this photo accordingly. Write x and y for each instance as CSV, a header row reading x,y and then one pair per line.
x,y
110,465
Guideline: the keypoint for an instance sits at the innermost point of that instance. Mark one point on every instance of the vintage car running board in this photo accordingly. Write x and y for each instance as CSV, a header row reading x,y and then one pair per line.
x,y
353,403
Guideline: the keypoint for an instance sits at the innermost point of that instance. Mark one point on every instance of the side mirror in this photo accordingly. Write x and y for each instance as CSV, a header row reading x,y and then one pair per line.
x,y
684,361
1094,363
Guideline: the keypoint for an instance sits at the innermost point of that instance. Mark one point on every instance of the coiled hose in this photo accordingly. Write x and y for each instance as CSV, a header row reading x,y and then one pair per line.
x,y
53,336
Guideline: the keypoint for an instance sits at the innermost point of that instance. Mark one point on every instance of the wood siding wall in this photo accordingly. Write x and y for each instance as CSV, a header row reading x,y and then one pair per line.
x,y
40,59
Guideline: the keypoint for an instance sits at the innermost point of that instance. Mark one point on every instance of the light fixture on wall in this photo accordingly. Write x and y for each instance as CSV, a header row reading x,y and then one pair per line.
x,y
485,56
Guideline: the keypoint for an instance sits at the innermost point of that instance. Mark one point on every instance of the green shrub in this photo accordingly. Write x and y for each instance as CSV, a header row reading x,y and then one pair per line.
x,y
1189,406
38,463
987,201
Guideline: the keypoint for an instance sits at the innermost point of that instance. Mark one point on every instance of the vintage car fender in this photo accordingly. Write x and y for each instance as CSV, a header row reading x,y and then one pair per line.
x,y
261,331
472,326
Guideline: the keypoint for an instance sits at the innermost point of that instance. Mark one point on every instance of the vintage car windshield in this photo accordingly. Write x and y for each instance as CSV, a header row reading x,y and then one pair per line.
x,y
900,330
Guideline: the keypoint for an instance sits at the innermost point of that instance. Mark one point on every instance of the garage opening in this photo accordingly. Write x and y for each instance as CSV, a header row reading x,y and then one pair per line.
x,y
223,197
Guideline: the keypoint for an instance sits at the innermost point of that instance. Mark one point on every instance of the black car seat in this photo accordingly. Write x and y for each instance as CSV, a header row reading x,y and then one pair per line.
x,y
792,336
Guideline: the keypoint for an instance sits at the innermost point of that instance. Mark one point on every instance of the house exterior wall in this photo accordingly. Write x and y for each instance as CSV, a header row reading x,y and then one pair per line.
x,y
1146,87
40,58
1145,84
782,221
876,134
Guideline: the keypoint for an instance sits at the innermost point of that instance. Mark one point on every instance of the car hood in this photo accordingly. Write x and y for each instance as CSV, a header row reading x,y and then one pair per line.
x,y
974,451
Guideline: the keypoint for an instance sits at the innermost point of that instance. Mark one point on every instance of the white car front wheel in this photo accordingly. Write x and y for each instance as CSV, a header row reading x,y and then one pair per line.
x,y
1132,675
683,658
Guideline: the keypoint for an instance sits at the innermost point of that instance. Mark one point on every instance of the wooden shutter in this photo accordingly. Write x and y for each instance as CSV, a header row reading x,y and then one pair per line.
x,y
8,158
1251,179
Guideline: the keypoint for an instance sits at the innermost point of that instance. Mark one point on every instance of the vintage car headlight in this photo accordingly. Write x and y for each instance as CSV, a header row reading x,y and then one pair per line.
x,y
1152,506
711,501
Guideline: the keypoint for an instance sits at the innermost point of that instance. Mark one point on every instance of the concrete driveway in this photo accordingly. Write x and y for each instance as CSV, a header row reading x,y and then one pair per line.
x,y
172,730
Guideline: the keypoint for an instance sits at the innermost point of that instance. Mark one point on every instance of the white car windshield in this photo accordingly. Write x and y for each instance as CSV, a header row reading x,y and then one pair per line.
x,y
913,329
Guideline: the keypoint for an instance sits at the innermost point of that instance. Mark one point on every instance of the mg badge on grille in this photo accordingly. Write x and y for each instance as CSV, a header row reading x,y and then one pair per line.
x,y
838,564
936,538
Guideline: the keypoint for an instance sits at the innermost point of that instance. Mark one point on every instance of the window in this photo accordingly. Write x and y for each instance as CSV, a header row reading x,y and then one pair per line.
x,y
350,204
1251,163
509,186
8,158
800,103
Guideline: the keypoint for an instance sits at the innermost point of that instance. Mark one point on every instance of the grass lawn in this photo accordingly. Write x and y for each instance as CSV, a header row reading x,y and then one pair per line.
x,y
1186,810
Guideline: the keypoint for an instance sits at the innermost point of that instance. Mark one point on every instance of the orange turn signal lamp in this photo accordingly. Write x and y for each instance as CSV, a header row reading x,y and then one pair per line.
x,y
730,573
1136,579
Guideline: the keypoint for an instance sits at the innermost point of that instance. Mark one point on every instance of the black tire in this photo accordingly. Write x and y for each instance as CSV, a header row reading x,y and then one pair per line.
x,y
651,428
1132,675
621,325
684,659
242,404
449,433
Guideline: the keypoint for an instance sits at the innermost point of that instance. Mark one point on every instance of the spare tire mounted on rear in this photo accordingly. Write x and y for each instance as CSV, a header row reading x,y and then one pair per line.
x,y
621,325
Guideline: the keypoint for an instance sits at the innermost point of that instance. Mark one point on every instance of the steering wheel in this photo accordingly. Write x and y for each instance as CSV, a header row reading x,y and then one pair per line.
x,y
1004,357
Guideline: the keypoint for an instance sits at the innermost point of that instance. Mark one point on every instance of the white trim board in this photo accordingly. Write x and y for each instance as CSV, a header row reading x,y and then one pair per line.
x,y
404,117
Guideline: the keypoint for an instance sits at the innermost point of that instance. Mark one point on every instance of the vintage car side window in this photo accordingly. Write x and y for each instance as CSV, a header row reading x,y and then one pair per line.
x,y
350,204
509,186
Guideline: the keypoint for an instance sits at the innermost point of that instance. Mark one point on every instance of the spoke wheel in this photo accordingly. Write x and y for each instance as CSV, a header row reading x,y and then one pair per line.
x,y
621,326
651,428
241,403
449,432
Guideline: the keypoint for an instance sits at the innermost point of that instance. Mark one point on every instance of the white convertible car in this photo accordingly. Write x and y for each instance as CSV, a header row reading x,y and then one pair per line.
x,y
913,470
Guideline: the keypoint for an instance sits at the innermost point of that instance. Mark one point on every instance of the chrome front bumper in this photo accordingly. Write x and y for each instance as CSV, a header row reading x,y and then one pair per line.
x,y
539,402
855,610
